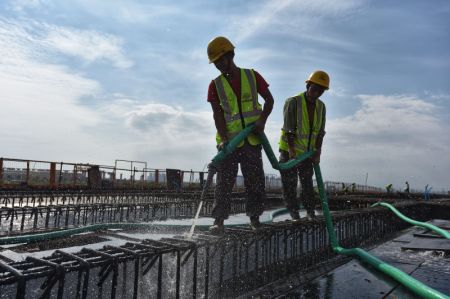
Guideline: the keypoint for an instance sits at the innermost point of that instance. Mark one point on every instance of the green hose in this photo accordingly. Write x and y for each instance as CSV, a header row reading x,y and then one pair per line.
x,y
232,145
429,226
412,284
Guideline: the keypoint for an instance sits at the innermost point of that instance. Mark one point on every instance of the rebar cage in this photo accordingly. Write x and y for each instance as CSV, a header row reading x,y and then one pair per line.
x,y
206,266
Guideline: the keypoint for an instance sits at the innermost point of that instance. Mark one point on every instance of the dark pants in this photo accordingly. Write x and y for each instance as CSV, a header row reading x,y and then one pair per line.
x,y
252,169
305,172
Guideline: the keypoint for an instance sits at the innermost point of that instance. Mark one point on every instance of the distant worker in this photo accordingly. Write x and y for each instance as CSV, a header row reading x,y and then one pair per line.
x,y
303,130
426,193
389,188
233,96
353,187
407,187
344,188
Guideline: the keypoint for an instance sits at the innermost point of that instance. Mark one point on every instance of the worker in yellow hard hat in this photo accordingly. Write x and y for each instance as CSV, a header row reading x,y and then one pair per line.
x,y
233,96
303,130
388,188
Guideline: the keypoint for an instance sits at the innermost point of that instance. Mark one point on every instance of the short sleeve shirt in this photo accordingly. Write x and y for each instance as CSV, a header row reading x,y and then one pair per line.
x,y
235,84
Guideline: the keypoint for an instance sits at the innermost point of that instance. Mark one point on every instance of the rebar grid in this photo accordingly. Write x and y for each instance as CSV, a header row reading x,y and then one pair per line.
x,y
208,266
26,219
34,198
23,212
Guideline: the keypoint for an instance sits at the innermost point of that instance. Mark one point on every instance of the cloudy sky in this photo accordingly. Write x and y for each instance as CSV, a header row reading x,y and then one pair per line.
x,y
93,81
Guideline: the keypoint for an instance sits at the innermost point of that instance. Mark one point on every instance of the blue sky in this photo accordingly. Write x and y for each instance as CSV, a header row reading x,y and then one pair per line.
x,y
94,81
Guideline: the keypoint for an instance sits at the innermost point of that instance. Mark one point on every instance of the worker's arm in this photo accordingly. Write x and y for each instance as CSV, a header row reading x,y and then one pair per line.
x,y
291,145
268,106
219,121
319,140
290,124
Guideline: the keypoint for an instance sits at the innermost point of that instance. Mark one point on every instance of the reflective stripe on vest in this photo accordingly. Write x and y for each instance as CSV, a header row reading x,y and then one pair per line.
x,y
251,109
304,136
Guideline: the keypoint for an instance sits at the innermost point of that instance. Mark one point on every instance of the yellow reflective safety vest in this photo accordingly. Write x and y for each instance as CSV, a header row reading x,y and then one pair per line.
x,y
305,135
251,109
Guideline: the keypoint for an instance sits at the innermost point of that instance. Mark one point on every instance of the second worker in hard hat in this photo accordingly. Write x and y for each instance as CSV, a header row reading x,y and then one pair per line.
x,y
303,130
233,96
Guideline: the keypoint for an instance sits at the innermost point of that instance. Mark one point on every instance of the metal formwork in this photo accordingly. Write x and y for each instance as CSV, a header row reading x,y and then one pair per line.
x,y
206,267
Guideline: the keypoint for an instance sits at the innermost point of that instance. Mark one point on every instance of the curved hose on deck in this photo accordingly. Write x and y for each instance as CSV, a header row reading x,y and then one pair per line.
x,y
429,226
412,284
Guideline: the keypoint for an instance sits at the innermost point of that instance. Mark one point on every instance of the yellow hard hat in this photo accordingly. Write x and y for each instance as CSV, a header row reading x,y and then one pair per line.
x,y
319,77
217,47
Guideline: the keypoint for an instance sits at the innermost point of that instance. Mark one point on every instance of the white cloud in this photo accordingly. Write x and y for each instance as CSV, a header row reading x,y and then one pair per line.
x,y
437,96
42,117
20,5
164,135
41,41
393,138
129,11
40,114
286,14
255,55
87,44
245,27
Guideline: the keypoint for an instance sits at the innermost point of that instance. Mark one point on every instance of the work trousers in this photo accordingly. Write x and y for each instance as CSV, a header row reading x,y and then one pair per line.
x,y
289,178
250,159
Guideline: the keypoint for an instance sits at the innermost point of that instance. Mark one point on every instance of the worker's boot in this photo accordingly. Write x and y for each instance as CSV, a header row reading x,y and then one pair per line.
x,y
254,223
217,228
295,217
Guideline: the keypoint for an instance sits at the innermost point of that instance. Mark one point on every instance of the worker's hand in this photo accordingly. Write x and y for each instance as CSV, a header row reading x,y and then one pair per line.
x,y
259,126
292,153
316,157
222,145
